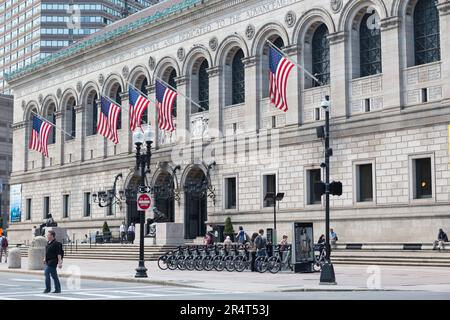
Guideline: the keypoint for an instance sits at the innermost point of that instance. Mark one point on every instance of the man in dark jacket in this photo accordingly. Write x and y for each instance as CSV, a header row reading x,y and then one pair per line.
x,y
53,258
261,243
442,238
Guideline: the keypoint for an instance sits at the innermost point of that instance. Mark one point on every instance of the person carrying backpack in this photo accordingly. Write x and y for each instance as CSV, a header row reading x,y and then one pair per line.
x,y
241,236
3,248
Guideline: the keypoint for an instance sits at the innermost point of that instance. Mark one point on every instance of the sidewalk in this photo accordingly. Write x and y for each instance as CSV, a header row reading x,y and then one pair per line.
x,y
348,277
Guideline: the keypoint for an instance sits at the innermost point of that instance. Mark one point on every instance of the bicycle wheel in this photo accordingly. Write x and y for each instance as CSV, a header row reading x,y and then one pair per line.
x,y
198,263
189,263
274,264
181,263
162,262
207,263
219,263
172,262
229,263
261,264
240,263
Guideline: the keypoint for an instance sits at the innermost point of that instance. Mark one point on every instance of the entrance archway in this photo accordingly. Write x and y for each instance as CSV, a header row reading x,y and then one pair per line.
x,y
165,197
195,188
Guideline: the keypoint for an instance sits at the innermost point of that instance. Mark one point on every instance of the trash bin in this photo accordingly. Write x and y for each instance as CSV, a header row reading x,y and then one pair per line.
x,y
218,233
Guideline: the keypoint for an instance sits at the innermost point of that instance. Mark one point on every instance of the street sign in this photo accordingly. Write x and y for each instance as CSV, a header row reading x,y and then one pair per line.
x,y
144,202
144,189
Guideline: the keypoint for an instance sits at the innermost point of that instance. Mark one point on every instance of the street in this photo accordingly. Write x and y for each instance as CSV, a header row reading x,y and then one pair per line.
x,y
30,287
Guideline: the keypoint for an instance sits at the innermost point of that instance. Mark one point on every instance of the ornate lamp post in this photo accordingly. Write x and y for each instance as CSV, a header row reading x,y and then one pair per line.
x,y
109,198
143,163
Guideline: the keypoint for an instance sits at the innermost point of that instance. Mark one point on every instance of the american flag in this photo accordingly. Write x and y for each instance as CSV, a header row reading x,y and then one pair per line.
x,y
108,118
165,99
39,136
138,105
279,69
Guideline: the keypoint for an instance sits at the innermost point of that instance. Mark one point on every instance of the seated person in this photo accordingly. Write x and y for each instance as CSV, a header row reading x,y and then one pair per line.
x,y
442,238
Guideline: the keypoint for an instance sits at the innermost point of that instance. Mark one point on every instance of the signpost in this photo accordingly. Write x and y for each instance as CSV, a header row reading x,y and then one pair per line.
x,y
144,202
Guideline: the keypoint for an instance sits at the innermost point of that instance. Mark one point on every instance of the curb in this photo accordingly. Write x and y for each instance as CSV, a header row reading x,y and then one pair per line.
x,y
99,278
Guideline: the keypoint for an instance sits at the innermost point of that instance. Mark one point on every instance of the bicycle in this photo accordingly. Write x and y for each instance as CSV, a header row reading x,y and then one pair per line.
x,y
262,261
319,259
279,260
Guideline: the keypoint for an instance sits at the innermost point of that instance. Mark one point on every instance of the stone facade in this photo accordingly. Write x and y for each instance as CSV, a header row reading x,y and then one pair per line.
x,y
399,127
6,119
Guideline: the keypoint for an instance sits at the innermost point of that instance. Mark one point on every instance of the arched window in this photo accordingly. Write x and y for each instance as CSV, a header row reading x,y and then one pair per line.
x,y
51,116
118,99
71,119
426,32
144,91
173,84
279,43
203,86
91,113
238,78
321,55
369,48
94,114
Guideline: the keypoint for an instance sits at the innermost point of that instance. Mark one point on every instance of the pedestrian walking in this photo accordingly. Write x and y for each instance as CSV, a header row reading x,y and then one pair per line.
x,y
3,248
242,236
54,255
261,244
131,233
123,232
252,251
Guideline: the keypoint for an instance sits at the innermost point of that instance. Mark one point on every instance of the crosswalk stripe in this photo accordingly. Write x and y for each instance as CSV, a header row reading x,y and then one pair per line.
x,y
96,295
56,297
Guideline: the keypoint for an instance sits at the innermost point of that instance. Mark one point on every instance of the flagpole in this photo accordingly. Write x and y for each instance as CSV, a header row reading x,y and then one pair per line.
x,y
53,125
192,101
295,63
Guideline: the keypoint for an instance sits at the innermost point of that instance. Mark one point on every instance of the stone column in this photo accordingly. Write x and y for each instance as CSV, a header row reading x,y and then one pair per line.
x,y
125,134
59,139
392,74
444,16
294,95
339,76
251,94
80,133
215,107
183,108
20,150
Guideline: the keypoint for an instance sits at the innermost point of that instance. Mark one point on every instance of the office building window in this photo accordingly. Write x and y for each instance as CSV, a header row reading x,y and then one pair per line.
x,y
230,193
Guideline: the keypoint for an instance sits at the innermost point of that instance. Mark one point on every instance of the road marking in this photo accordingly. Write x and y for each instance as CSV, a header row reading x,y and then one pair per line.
x,y
96,295
54,296
27,280
139,293
7,298
8,285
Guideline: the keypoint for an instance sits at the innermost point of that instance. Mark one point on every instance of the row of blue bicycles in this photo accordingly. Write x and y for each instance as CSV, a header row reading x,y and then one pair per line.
x,y
231,258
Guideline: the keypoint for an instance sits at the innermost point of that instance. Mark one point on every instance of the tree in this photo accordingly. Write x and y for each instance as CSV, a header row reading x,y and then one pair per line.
x,y
228,230
106,228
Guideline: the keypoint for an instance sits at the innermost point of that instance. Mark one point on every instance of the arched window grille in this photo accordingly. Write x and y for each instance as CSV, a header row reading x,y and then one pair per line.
x,y
369,48
426,32
321,56
203,86
94,114
173,84
238,78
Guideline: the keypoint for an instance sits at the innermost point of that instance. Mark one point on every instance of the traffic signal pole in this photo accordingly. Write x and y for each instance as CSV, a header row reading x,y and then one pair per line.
x,y
327,275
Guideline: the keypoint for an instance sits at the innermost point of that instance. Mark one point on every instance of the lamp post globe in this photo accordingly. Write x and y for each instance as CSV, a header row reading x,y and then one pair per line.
x,y
138,137
148,134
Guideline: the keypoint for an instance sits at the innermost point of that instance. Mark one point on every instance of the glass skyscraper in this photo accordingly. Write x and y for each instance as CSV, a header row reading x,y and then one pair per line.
x,y
33,29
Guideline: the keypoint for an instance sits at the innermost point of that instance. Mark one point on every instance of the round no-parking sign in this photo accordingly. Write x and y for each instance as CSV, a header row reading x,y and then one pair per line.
x,y
144,202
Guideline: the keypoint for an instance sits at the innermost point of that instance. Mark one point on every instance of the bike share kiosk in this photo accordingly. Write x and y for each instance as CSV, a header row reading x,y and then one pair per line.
x,y
303,247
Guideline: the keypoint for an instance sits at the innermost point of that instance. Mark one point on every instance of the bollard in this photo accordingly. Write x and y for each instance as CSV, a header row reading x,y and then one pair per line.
x,y
14,259
36,254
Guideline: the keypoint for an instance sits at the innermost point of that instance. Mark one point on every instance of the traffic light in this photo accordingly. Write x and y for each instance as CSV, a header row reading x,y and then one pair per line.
x,y
336,188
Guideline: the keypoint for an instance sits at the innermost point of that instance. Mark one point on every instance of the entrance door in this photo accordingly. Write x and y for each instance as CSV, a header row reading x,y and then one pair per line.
x,y
165,197
195,204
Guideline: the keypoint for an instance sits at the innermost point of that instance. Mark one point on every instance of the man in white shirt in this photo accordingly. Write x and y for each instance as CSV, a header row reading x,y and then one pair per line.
x,y
123,232
131,233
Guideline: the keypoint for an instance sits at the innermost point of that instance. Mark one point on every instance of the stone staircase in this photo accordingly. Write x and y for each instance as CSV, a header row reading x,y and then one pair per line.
x,y
109,251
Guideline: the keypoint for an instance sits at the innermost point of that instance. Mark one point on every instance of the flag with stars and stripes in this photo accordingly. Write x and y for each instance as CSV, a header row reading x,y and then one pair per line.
x,y
108,119
165,99
40,133
138,105
279,69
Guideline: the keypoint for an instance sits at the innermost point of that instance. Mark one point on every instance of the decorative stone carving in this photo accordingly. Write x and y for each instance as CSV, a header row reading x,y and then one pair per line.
x,y
250,31
101,79
336,5
290,19
214,71
181,54
41,99
24,104
125,72
59,93
151,63
79,86
213,43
